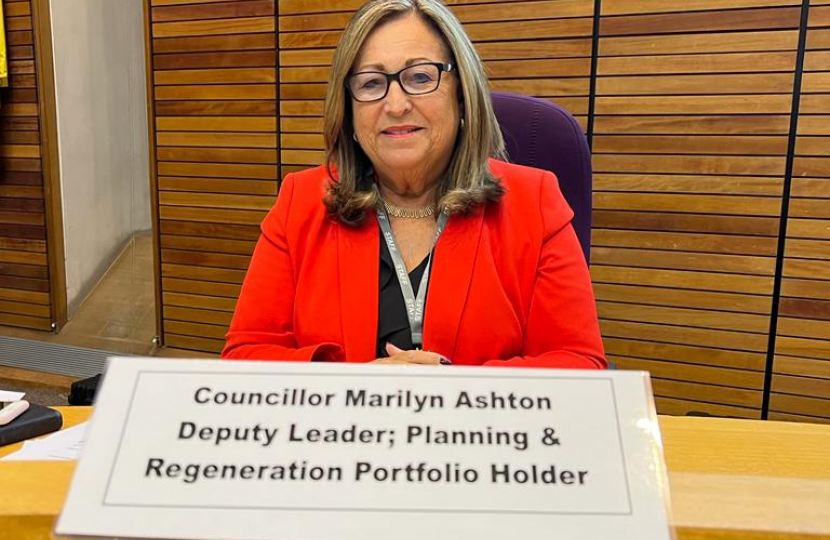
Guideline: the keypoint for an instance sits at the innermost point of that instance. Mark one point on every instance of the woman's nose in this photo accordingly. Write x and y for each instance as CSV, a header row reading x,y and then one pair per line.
x,y
397,101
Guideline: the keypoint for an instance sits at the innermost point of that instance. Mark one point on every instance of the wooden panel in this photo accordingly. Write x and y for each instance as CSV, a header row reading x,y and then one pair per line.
x,y
212,27
748,225
632,349
216,155
178,341
196,243
690,139
210,229
239,8
690,150
214,60
208,76
784,417
682,407
24,262
715,376
203,316
761,41
202,273
200,302
693,22
724,396
628,7
196,329
218,140
232,42
801,369
204,290
25,321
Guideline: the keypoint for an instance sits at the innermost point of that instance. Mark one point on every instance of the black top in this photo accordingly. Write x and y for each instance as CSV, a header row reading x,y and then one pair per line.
x,y
393,324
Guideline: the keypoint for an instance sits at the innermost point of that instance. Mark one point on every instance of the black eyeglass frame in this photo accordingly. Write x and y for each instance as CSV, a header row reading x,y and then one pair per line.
x,y
390,77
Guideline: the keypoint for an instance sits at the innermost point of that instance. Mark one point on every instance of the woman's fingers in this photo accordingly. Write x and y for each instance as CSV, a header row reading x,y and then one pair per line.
x,y
420,357
392,350
400,356
390,361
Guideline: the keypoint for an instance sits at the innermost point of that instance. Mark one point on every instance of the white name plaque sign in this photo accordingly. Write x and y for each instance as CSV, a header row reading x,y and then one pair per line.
x,y
270,450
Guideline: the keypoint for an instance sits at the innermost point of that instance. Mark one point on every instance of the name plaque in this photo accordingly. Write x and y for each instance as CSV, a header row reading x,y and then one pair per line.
x,y
272,450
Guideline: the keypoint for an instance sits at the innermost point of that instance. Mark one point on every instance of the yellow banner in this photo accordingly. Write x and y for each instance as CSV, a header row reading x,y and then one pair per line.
x,y
4,64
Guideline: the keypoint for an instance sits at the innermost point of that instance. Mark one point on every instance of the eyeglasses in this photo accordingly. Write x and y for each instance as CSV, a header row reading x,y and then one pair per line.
x,y
414,80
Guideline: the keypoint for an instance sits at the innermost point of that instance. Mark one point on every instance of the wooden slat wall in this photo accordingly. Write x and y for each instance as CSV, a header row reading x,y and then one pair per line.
x,y
214,80
801,379
691,131
693,104
24,272
550,58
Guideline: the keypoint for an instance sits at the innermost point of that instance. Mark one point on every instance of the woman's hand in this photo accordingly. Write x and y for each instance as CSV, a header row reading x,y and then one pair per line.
x,y
400,356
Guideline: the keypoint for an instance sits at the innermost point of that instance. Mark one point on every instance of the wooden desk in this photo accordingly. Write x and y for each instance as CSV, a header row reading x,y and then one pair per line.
x,y
32,492
748,479
731,480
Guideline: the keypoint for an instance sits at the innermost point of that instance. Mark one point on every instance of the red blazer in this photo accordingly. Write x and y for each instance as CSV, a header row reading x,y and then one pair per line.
x,y
508,285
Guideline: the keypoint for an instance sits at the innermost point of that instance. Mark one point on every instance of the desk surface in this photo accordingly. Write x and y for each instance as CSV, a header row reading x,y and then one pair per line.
x,y
731,479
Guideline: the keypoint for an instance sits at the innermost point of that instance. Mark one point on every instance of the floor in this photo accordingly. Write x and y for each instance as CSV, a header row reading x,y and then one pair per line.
x,y
118,316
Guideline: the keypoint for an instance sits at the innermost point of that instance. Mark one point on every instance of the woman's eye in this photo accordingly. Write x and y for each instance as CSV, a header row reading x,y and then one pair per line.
x,y
371,83
422,77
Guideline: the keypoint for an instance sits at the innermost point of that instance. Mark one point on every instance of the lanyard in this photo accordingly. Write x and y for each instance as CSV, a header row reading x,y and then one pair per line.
x,y
414,305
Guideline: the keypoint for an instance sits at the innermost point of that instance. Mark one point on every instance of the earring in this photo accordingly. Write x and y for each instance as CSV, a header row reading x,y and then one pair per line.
x,y
462,123
354,136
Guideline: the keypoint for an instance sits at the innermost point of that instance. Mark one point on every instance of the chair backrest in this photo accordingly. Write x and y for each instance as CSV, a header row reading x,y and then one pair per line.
x,y
541,134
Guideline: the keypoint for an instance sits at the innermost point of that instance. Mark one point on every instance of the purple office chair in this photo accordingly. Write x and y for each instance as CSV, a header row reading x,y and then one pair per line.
x,y
541,134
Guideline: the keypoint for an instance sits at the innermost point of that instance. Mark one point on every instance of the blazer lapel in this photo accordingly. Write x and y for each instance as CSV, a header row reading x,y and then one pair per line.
x,y
358,262
449,281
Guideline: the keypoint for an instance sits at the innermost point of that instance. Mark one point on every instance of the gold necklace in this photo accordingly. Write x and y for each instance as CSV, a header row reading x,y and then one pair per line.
x,y
408,213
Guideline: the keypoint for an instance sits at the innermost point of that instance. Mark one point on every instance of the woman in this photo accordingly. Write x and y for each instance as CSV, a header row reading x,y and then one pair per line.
x,y
414,246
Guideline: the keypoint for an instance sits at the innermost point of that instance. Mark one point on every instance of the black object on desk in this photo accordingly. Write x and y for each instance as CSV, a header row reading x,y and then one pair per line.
x,y
83,392
37,420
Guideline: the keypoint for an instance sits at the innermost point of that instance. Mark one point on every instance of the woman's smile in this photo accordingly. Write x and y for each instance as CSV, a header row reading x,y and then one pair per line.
x,y
401,132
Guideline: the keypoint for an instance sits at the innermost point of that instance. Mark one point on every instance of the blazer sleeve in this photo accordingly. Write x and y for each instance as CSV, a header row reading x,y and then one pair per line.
x,y
262,325
562,329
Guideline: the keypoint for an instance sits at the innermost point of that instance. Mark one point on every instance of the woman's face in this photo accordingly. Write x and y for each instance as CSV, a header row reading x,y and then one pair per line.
x,y
407,137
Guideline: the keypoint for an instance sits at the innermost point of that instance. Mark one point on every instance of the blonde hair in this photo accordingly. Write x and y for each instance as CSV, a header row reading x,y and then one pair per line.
x,y
467,182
